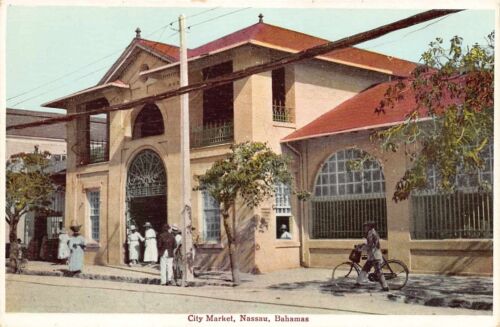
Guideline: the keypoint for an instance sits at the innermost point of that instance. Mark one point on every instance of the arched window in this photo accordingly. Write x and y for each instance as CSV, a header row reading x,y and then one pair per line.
x,y
467,212
344,198
149,122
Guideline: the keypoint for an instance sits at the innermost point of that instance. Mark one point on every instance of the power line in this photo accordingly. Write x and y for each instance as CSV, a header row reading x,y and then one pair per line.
x,y
217,17
409,33
101,59
272,65
58,87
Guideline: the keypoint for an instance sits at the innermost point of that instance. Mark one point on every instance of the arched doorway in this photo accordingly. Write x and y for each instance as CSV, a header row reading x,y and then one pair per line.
x,y
146,191
345,197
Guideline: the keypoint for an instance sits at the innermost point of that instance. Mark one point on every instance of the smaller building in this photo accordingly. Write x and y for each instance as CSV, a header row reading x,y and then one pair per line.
x,y
37,231
432,232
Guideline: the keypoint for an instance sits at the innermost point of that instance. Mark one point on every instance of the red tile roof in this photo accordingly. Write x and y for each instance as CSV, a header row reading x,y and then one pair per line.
x,y
170,51
358,113
288,40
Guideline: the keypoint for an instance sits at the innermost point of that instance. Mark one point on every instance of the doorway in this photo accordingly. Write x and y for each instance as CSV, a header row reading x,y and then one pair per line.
x,y
146,193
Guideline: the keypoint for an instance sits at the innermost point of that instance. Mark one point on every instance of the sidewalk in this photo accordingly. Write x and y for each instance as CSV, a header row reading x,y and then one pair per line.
x,y
122,273
474,293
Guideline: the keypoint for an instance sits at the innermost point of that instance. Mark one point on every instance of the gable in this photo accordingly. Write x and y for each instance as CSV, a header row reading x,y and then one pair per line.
x,y
141,60
163,54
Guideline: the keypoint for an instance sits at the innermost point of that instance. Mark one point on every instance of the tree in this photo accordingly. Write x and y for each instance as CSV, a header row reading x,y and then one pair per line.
x,y
249,172
454,88
28,187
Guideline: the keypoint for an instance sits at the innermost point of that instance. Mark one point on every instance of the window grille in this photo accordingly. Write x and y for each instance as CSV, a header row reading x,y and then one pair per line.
x,y
146,176
94,206
53,225
282,204
29,227
467,212
345,198
211,218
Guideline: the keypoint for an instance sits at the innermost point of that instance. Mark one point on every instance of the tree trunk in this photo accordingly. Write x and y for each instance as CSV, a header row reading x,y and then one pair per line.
x,y
14,247
13,230
232,249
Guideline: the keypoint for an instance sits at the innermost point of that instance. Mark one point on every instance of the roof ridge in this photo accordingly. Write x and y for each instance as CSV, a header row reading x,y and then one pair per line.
x,y
31,113
158,42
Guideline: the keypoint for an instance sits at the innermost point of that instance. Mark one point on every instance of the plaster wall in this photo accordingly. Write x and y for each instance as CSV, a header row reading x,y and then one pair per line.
x,y
461,256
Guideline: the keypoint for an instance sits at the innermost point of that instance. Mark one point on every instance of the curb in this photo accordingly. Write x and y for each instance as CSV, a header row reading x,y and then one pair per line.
x,y
123,279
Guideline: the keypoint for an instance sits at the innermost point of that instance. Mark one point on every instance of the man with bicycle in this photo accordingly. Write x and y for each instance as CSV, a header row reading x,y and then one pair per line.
x,y
375,259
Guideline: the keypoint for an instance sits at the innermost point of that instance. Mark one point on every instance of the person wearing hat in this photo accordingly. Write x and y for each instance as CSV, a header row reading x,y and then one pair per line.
x,y
166,247
151,251
76,244
178,237
285,235
374,259
63,250
133,239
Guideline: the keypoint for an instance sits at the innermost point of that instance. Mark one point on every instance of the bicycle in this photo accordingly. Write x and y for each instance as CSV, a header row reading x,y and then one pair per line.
x,y
395,271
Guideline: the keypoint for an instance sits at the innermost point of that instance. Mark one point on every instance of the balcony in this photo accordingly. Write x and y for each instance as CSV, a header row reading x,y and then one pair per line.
x,y
212,133
96,152
282,114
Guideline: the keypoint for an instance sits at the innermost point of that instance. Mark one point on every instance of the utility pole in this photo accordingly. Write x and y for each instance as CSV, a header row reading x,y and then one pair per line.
x,y
187,238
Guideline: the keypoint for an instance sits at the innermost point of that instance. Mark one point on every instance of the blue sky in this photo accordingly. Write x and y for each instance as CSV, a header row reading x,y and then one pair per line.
x,y
54,51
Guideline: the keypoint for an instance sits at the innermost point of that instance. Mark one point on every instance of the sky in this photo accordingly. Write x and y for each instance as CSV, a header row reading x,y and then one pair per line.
x,y
55,51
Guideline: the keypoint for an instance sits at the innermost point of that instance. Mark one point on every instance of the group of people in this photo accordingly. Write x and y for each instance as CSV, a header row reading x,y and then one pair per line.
x,y
151,250
166,246
71,249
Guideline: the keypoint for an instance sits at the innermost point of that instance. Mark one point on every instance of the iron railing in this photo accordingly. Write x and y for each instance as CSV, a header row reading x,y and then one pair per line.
x,y
96,152
212,133
343,217
452,215
281,113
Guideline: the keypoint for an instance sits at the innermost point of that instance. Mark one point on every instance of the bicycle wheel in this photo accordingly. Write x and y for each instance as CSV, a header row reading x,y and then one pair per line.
x,y
345,274
395,273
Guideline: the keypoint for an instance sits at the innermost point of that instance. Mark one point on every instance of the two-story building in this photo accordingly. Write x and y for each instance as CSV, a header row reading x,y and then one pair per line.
x,y
132,174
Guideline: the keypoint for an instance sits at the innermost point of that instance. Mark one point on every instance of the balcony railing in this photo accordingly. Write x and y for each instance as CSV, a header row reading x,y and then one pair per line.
x,y
97,152
212,133
282,114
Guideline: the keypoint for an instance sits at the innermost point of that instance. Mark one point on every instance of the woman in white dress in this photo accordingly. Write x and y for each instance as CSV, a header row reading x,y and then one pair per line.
x,y
76,245
63,251
151,251
133,245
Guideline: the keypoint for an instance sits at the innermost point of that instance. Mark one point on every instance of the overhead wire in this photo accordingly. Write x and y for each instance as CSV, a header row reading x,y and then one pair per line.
x,y
98,60
218,17
407,34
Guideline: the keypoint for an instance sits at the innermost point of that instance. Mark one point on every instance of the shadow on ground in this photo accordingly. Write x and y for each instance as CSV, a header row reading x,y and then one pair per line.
x,y
474,293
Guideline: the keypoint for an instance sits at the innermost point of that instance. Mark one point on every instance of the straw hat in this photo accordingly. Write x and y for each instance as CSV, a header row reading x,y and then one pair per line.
x,y
132,227
75,228
175,228
148,224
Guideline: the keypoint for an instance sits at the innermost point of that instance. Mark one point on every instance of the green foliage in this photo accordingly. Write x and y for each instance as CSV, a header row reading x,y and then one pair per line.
x,y
250,171
28,185
303,195
454,95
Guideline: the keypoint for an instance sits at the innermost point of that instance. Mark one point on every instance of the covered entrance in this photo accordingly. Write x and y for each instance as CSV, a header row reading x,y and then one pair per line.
x,y
146,192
